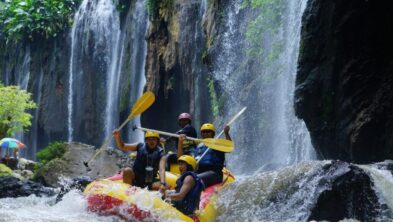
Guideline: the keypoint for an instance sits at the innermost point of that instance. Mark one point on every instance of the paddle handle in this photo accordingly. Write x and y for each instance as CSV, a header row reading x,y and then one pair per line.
x,y
165,133
233,119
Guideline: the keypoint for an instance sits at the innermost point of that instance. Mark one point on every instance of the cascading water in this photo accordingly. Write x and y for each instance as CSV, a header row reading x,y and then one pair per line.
x,y
32,136
19,76
93,75
383,183
256,67
138,59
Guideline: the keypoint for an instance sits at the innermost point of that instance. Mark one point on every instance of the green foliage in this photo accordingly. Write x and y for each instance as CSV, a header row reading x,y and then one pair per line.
x,y
152,8
213,97
263,44
120,7
5,171
52,151
13,105
25,19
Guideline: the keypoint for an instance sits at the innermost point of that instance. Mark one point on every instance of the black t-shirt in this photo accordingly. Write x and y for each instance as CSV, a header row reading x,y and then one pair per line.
x,y
189,130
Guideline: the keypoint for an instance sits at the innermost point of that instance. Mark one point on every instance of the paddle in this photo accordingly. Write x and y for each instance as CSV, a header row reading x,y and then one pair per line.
x,y
232,120
222,145
228,124
143,103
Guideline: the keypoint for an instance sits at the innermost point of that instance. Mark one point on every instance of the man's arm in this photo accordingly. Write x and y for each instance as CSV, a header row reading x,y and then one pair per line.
x,y
226,132
188,184
162,165
121,145
180,145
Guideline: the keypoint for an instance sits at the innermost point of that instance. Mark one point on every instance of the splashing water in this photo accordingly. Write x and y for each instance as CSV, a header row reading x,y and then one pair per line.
x,y
42,209
383,183
283,195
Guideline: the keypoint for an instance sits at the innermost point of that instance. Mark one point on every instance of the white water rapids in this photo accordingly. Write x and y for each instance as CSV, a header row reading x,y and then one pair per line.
x,y
39,209
287,194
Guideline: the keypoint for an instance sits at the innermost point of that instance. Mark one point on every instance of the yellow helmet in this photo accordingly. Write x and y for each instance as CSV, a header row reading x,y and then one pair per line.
x,y
152,134
208,126
189,160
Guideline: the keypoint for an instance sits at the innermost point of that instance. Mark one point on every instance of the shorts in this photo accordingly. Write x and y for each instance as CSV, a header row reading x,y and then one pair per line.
x,y
210,178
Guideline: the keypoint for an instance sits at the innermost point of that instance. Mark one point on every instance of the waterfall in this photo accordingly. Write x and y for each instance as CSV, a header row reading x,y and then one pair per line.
x,y
32,149
71,75
256,67
138,60
93,75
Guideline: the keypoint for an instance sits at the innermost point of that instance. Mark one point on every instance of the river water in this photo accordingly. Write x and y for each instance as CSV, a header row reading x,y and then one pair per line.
x,y
276,179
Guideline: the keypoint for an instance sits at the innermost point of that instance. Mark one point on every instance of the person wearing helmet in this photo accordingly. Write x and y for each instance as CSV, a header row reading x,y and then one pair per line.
x,y
184,121
149,160
211,164
189,186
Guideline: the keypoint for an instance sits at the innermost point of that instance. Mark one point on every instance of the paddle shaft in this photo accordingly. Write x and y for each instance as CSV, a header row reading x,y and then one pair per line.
x,y
108,140
143,103
166,133
232,120
228,124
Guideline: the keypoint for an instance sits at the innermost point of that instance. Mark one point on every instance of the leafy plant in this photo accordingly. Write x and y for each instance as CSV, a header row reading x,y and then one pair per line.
x,y
52,151
213,97
26,19
152,8
5,171
13,105
261,31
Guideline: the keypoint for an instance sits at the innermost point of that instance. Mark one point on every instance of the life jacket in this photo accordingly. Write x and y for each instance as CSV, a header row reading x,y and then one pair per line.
x,y
191,201
213,159
146,157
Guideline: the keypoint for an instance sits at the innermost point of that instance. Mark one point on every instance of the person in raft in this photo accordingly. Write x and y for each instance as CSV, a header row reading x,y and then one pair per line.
x,y
211,164
149,160
189,146
189,186
184,121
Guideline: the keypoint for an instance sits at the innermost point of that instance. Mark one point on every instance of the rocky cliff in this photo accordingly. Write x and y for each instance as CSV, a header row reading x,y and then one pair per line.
x,y
174,67
344,81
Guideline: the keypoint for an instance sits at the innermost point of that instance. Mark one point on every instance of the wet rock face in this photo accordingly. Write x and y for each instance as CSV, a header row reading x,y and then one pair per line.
x,y
107,163
174,68
13,187
348,193
344,86
78,183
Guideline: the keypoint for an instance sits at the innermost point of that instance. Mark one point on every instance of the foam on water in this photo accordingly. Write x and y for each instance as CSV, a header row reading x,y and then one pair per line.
x,y
42,209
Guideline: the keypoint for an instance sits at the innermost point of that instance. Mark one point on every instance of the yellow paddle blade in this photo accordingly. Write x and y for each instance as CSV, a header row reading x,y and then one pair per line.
x,y
219,144
143,103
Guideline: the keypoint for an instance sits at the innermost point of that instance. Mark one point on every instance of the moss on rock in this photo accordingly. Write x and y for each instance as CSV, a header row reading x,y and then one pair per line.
x,y
5,171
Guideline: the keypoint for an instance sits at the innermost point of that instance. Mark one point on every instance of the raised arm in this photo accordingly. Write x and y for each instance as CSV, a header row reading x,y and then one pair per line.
x,y
121,145
226,132
180,145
